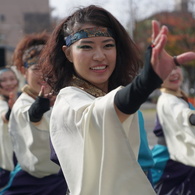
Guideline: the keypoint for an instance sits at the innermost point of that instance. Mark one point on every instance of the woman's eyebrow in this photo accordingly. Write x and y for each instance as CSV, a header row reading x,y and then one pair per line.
x,y
108,40
105,41
85,41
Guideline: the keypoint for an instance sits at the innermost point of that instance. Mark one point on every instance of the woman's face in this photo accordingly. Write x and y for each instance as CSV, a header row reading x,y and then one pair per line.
x,y
94,59
8,83
174,80
34,78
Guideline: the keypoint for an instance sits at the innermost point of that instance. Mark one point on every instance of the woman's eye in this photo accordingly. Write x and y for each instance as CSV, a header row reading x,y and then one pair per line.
x,y
85,47
110,45
4,80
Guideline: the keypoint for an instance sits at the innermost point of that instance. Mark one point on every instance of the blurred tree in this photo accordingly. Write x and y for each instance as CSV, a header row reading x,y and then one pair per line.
x,y
181,38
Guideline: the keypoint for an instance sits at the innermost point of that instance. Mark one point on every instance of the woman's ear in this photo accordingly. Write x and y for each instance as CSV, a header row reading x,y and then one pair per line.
x,y
67,52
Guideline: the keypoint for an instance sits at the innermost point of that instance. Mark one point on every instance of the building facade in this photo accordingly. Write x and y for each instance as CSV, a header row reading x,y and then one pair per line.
x,y
20,17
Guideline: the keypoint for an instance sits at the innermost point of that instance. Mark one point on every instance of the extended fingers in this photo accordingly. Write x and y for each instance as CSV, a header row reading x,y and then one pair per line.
x,y
162,40
155,29
159,41
163,32
49,95
158,49
41,93
186,57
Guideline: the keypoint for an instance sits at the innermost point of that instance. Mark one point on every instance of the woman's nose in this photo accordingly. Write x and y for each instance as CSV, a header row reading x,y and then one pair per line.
x,y
99,55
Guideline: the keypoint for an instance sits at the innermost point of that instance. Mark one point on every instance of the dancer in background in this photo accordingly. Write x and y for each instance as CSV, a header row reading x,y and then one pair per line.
x,y
174,155
8,95
29,126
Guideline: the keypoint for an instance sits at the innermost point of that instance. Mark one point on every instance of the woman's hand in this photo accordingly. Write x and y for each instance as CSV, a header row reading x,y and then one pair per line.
x,y
11,95
50,95
161,61
12,98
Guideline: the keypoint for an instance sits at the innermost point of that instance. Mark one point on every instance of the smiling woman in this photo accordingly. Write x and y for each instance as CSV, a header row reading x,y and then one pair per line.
x,y
175,125
96,129
8,95
35,173
95,57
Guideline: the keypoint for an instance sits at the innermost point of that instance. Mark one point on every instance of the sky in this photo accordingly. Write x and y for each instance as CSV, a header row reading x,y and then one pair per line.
x,y
121,9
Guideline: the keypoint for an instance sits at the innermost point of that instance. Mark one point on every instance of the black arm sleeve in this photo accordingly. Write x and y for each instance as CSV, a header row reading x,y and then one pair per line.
x,y
7,115
129,99
192,119
38,108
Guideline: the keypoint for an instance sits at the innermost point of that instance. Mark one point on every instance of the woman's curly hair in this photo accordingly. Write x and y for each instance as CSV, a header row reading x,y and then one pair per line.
x,y
24,44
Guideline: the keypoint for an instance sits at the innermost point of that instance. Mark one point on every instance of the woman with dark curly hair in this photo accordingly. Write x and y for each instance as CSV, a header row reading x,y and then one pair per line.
x,y
94,122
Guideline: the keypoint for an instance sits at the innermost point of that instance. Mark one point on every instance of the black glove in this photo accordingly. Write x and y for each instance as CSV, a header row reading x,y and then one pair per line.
x,y
38,108
7,115
130,98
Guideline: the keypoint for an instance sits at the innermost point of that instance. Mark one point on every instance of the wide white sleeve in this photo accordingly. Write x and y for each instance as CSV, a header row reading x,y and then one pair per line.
x,y
6,149
31,143
174,115
97,153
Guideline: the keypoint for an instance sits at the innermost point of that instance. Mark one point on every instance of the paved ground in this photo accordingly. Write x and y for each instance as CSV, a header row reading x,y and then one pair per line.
x,y
149,112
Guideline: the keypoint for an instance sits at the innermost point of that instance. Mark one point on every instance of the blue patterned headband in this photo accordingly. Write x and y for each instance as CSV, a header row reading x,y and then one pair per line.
x,y
88,32
31,55
4,70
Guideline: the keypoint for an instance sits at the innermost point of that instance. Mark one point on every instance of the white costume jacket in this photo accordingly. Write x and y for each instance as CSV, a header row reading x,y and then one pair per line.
x,y
98,154
173,113
31,140
6,150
